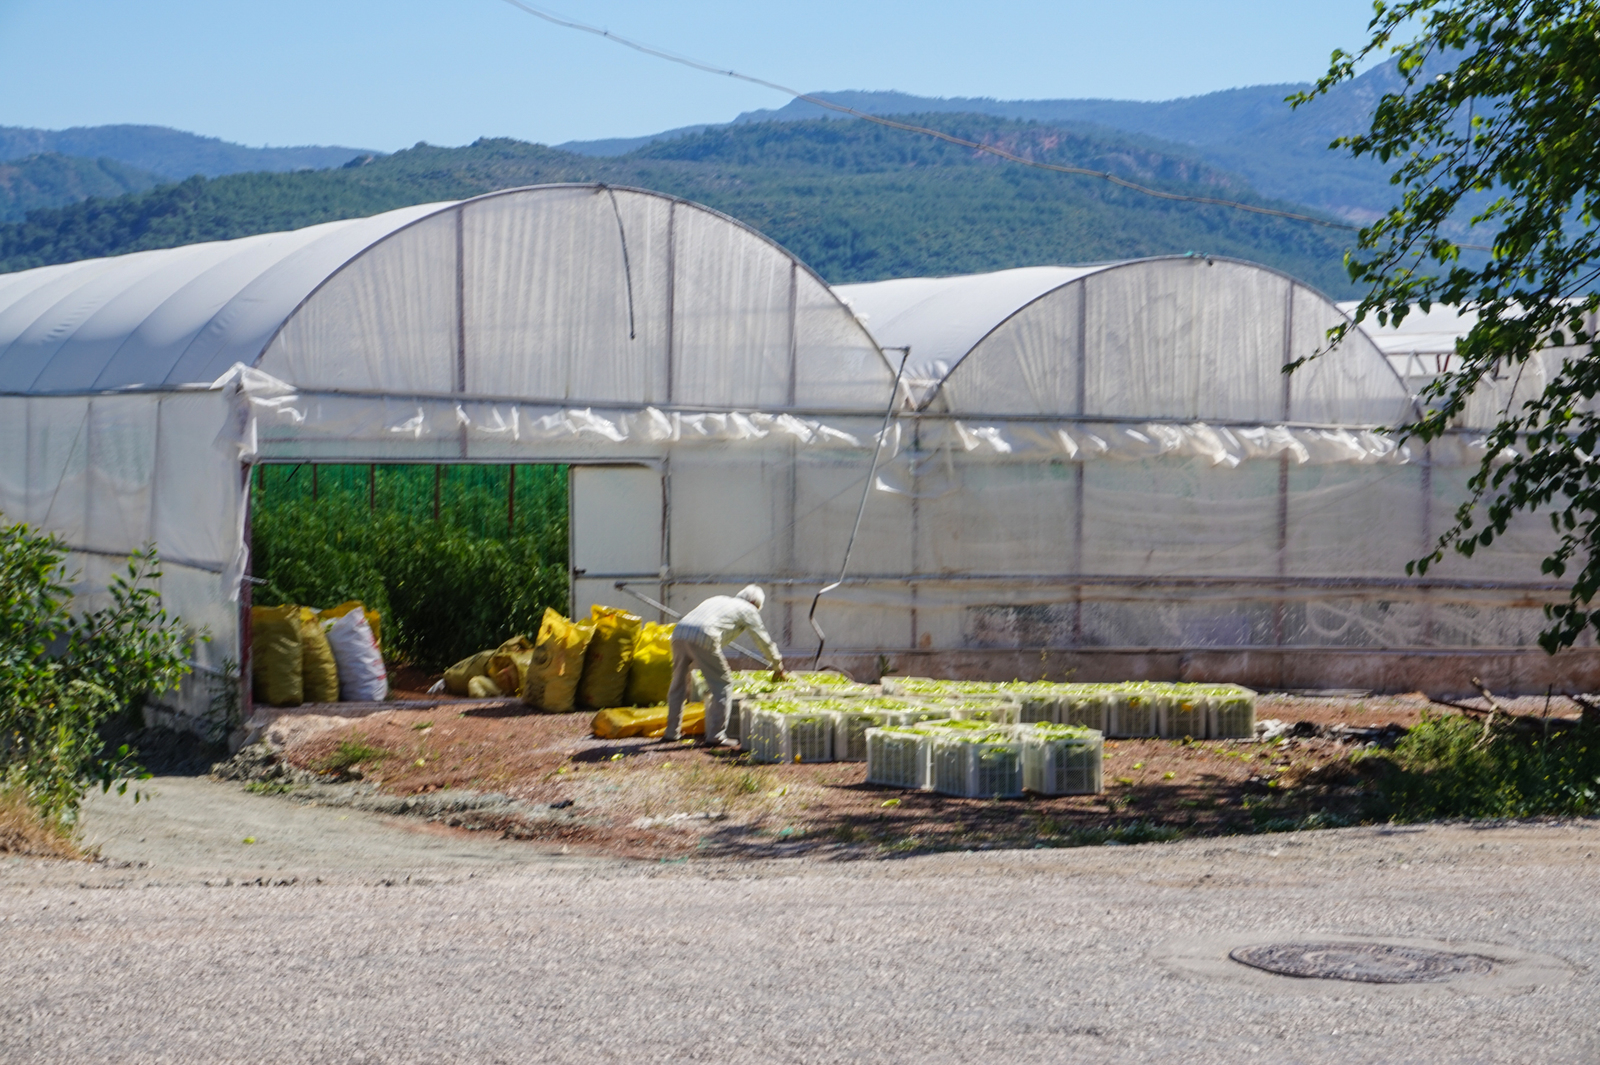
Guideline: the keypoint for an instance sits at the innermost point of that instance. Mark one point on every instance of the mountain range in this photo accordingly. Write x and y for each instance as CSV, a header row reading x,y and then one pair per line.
x,y
856,200
1253,132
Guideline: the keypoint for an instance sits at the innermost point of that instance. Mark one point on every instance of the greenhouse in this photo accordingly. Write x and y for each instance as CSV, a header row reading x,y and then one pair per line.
x,y
1097,469
1107,470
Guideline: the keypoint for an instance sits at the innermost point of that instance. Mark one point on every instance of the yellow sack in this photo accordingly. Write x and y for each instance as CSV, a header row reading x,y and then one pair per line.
x,y
355,604
319,672
275,655
650,671
460,675
483,688
605,663
551,682
509,664
623,721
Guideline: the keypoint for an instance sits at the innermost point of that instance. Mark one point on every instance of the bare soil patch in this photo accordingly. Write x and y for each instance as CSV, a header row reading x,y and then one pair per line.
x,y
645,798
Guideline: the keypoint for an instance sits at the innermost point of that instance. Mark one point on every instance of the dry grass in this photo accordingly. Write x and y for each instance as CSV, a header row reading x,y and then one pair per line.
x,y
23,832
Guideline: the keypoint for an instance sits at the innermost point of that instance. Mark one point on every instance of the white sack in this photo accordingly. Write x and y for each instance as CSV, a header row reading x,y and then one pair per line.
x,y
362,678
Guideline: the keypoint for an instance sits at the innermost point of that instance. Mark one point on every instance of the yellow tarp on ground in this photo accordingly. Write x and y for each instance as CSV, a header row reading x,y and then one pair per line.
x,y
624,721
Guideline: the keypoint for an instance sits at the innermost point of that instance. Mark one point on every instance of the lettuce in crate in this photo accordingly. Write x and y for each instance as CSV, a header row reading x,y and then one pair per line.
x,y
1062,760
897,756
976,762
787,730
852,717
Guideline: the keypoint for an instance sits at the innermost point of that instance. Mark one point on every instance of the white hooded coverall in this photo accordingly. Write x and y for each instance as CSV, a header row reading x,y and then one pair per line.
x,y
697,643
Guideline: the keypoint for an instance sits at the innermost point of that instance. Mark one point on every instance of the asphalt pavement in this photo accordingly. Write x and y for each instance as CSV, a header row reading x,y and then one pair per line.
x,y
340,936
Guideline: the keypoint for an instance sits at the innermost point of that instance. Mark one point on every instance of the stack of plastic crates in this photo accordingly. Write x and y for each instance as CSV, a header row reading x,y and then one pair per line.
x,y
786,730
897,756
975,762
1061,759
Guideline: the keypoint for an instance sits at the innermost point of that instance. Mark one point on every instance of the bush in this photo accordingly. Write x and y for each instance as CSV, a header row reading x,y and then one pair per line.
x,y
1442,769
448,587
62,676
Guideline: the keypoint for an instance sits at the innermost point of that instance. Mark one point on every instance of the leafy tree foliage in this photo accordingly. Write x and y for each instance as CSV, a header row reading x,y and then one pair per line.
x,y
1496,120
448,587
62,675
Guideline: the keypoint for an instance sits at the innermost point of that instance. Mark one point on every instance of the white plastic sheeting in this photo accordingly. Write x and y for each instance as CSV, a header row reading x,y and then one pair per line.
x,y
1422,350
1095,457
555,323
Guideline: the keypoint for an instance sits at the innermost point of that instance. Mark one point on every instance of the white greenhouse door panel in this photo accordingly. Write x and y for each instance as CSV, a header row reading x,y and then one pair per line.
x,y
615,535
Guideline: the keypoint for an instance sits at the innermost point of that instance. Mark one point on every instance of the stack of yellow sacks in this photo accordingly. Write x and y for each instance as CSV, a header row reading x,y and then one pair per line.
x,y
612,661
291,660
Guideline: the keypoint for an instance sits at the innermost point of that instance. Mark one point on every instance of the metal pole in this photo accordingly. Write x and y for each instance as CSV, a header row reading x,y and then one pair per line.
x,y
437,473
313,483
511,503
372,488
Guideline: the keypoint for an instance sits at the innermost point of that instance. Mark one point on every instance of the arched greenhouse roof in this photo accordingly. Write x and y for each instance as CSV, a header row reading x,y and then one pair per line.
x,y
1179,338
570,294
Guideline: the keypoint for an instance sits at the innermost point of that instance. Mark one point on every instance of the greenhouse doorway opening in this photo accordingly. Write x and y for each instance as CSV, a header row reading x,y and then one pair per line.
x,y
453,557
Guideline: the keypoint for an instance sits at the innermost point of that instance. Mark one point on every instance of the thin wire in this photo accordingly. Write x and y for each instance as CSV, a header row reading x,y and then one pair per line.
x,y
673,57
844,567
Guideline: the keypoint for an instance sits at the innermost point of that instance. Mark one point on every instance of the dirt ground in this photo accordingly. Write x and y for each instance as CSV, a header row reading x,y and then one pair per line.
x,y
648,798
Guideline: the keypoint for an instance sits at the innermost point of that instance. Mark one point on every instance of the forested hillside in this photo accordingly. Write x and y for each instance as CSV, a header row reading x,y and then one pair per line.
x,y
49,179
171,153
857,201
1282,151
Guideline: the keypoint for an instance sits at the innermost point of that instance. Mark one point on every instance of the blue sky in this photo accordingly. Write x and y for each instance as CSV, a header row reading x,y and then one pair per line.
x,y
385,75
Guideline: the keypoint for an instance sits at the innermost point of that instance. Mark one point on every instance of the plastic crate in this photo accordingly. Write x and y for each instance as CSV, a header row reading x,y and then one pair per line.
x,y
916,715
1130,712
976,765
1085,705
853,716
1183,711
827,682
1232,713
1062,760
897,757
787,732
992,712
915,687
1039,706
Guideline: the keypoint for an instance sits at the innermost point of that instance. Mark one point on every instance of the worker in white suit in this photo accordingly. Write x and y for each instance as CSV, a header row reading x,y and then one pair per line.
x,y
697,643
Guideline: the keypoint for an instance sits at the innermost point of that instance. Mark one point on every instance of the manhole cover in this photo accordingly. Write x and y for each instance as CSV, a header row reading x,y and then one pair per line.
x,y
1368,963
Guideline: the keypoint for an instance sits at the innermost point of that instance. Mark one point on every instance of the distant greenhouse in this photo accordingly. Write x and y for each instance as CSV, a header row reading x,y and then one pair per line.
x,y
1100,469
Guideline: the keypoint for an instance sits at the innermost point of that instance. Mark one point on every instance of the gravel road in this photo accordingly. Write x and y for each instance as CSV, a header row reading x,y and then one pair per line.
x,y
339,936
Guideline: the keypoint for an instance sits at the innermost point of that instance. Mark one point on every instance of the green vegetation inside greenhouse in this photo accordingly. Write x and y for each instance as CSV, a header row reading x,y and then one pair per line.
x,y
457,558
